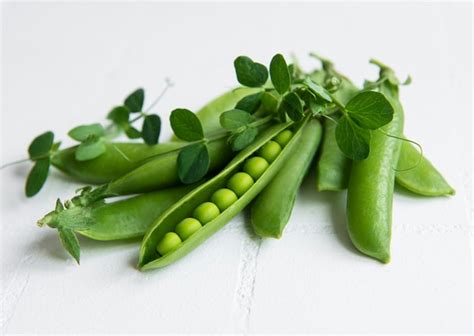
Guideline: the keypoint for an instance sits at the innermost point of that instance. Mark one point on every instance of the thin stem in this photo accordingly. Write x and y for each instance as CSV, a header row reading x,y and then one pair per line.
x,y
13,163
262,121
168,84
332,119
339,105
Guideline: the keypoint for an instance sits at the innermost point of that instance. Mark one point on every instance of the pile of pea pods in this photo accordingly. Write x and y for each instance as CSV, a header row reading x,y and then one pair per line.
x,y
248,149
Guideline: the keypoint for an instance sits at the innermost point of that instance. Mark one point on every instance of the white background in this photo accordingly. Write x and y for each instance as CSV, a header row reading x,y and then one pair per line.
x,y
67,64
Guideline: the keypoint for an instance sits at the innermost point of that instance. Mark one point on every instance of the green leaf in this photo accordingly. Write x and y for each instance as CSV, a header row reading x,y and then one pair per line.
x,y
70,243
250,103
352,140
134,101
81,133
280,74
186,125
292,105
41,145
235,119
241,140
318,90
269,102
132,132
250,73
119,115
370,110
37,177
91,148
193,163
151,129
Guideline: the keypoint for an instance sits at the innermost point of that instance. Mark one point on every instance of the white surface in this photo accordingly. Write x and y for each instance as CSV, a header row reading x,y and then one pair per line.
x,y
66,64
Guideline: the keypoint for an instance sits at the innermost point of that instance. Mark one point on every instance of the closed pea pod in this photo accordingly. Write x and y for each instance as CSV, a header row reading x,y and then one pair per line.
x,y
209,113
156,173
182,209
333,167
271,209
129,218
117,160
370,191
420,176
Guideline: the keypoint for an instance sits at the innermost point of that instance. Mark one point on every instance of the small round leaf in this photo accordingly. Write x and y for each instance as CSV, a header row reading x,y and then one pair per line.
x,y
186,125
151,129
41,145
135,100
37,177
193,163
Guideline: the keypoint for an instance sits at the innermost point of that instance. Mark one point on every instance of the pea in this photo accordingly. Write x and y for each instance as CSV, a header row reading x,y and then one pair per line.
x,y
240,183
270,151
169,243
283,138
206,212
255,166
223,198
187,227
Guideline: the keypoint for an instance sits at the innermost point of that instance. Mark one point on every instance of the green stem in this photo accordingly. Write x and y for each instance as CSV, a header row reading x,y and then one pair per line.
x,y
13,163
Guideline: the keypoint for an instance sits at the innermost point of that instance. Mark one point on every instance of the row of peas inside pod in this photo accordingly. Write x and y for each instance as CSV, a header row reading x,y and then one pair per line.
x,y
223,198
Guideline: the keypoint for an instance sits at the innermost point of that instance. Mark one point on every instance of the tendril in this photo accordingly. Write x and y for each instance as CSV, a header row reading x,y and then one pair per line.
x,y
410,141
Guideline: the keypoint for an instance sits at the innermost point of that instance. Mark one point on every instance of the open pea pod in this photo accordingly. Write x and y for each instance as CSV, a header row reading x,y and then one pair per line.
x,y
149,257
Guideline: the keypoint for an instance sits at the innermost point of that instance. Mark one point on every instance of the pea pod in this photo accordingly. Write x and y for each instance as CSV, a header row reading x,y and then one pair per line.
x,y
332,167
156,173
124,219
161,230
370,191
272,208
117,160
209,113
423,178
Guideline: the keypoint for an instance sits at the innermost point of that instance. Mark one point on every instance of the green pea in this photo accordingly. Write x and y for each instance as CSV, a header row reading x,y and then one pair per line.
x,y
187,227
240,183
206,212
255,166
223,198
270,151
169,243
283,138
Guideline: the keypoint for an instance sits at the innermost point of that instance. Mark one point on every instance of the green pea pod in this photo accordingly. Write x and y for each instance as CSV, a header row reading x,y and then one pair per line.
x,y
117,160
162,172
154,174
272,208
423,178
209,113
124,219
167,222
370,191
332,167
